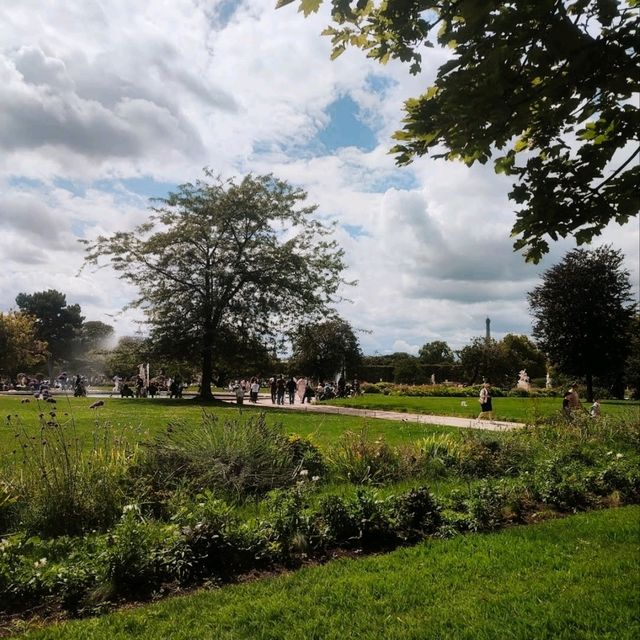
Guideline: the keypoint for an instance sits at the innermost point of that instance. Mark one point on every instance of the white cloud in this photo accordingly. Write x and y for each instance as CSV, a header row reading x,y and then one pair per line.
x,y
94,93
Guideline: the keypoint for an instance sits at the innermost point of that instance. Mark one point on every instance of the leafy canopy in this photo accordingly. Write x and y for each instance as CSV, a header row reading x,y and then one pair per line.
x,y
218,257
436,352
57,323
20,348
322,350
583,312
544,87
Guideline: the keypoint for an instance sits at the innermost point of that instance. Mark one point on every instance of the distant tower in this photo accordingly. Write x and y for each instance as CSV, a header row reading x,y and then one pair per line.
x,y
488,335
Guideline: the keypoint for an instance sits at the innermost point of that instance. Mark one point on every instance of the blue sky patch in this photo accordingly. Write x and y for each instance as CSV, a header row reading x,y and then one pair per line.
x,y
345,128
355,230
146,187
379,84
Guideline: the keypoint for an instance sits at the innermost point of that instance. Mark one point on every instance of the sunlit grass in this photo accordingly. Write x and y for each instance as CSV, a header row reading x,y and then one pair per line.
x,y
511,409
566,579
139,420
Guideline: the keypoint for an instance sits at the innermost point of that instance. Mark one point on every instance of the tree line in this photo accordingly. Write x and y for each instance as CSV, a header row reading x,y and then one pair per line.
x,y
231,273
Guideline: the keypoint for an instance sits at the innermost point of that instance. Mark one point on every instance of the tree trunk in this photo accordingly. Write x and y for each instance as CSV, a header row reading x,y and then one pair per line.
x,y
589,387
207,373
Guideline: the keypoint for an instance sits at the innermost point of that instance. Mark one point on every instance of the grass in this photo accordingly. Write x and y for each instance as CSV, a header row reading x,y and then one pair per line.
x,y
570,578
510,409
140,419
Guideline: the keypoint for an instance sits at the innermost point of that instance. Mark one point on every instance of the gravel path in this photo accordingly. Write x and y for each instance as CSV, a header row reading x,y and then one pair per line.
x,y
451,421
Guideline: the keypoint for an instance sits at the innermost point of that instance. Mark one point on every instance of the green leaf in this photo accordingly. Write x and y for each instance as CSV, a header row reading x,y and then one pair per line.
x,y
309,6
337,51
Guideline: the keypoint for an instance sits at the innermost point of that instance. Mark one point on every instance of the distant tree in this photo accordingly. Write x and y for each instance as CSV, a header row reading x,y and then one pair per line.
x,y
220,256
548,85
128,354
484,360
91,346
436,352
324,349
95,334
583,312
57,323
20,348
407,370
520,353
632,366
242,355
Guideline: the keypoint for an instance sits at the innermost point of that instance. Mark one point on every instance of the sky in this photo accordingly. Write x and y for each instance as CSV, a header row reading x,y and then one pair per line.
x,y
104,104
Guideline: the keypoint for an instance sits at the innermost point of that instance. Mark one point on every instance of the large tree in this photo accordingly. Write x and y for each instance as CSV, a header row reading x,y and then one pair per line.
x,y
57,323
20,348
436,352
546,87
483,360
583,314
632,368
324,349
520,353
217,256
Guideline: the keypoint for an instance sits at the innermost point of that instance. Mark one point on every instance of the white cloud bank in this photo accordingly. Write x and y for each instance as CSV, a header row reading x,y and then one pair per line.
x,y
95,94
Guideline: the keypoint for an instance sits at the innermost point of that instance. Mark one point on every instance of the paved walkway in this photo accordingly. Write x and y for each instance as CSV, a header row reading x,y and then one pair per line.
x,y
450,421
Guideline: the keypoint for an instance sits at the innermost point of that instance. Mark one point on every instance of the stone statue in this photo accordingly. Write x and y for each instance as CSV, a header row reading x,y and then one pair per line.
x,y
433,378
523,380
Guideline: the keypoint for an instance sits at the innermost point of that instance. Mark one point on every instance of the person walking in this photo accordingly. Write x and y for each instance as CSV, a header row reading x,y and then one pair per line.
x,y
280,389
254,390
291,389
301,387
273,388
486,409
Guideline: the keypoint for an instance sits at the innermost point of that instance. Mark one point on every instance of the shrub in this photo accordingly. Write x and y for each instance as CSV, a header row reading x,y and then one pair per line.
x,y
57,486
131,567
336,522
307,456
417,514
564,483
289,528
237,458
360,460
477,457
373,518
485,507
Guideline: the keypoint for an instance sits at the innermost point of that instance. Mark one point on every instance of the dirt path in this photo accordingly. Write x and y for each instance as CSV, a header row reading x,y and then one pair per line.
x,y
451,421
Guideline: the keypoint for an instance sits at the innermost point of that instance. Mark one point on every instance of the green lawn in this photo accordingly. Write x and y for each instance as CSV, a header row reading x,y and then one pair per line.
x,y
511,409
140,419
571,578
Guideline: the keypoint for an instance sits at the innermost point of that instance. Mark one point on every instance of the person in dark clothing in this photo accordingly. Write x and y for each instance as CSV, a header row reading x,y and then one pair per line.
x,y
280,389
291,389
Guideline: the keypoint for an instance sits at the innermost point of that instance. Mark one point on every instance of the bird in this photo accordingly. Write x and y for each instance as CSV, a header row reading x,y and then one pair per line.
x,y
25,401
96,404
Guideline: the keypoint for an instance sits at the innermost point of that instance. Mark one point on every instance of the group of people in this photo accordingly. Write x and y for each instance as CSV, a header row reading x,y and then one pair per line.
x,y
570,403
138,388
291,388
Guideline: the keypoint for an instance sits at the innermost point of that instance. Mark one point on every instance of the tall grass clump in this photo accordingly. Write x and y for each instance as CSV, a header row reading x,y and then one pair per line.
x,y
358,459
59,483
236,458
